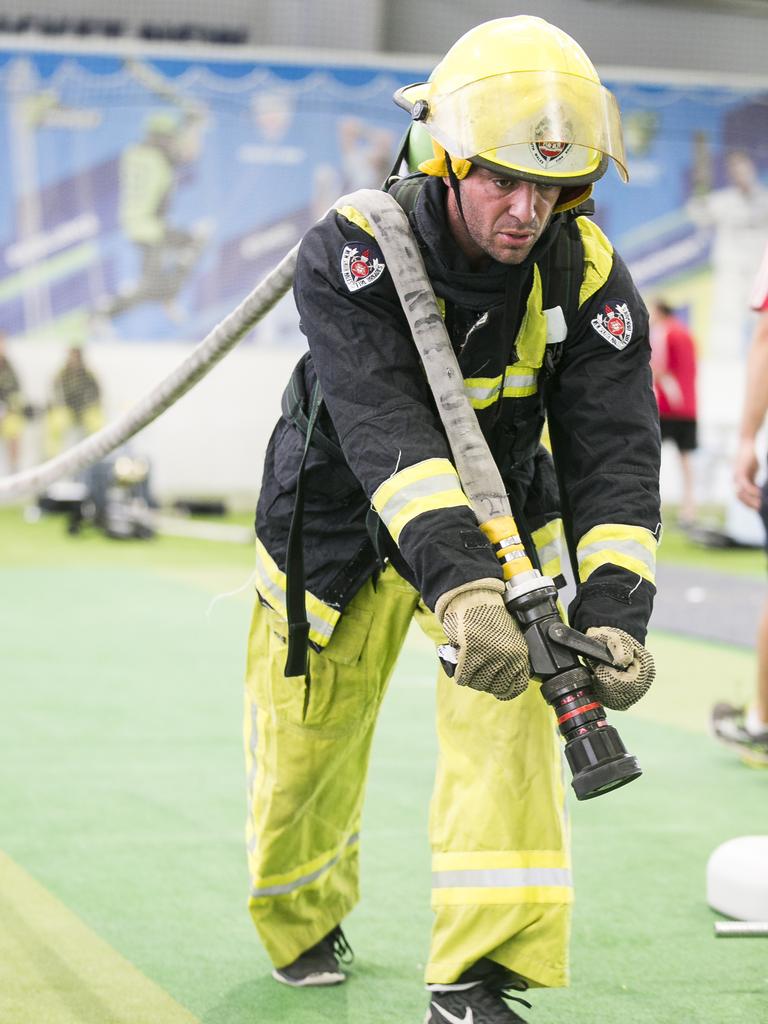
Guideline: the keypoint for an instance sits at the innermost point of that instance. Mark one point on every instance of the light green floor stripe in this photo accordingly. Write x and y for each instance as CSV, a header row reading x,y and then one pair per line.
x,y
55,970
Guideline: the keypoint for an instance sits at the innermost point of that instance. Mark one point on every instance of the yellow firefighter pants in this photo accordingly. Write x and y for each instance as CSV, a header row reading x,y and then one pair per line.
x,y
11,426
60,419
501,869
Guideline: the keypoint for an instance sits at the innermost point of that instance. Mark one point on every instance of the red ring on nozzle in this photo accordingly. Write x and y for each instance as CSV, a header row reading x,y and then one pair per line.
x,y
578,711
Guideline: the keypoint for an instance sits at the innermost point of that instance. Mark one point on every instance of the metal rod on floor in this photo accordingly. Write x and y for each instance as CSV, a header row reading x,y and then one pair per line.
x,y
741,929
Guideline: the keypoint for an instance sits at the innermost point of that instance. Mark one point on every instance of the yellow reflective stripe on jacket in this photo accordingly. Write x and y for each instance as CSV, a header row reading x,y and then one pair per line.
x,y
355,217
482,391
520,381
598,258
549,545
270,582
517,382
527,876
423,487
631,547
279,885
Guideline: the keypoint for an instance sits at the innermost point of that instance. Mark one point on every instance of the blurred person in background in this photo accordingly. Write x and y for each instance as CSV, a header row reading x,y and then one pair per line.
x,y
673,363
387,533
746,728
11,408
149,175
366,154
737,216
75,402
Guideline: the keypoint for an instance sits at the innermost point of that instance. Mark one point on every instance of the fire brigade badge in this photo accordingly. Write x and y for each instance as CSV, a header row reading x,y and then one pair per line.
x,y
614,323
361,265
546,153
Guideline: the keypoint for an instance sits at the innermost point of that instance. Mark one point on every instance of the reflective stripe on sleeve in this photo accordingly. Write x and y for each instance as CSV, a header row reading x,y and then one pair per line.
x,y
424,487
549,545
280,885
270,582
631,547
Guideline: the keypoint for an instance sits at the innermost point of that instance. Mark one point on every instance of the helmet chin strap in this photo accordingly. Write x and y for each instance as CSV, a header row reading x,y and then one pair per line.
x,y
454,186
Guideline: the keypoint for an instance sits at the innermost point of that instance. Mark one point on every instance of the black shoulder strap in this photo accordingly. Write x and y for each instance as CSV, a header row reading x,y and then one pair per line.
x,y
406,190
561,287
295,601
296,401
562,271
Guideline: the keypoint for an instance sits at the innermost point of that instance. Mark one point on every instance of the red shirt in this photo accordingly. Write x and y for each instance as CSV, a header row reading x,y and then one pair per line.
x,y
759,298
674,356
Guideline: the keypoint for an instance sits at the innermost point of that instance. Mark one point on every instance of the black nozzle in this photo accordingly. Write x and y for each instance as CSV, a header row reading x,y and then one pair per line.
x,y
597,757
599,762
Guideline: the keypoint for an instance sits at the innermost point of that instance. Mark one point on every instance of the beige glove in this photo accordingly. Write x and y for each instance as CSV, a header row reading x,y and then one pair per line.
x,y
620,685
491,649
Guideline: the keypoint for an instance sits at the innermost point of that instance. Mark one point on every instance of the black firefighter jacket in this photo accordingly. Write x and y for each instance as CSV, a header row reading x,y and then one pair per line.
x,y
396,465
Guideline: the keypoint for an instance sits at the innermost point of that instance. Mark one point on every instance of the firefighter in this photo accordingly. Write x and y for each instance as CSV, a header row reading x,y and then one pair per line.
x,y
546,322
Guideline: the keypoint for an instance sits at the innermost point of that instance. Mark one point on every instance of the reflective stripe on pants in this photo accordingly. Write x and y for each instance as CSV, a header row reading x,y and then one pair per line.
x,y
501,882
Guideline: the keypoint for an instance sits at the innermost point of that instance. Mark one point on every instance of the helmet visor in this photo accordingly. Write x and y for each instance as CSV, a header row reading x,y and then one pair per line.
x,y
553,123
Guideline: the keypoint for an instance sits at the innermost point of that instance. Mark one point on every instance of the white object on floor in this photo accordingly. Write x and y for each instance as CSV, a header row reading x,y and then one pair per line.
x,y
737,878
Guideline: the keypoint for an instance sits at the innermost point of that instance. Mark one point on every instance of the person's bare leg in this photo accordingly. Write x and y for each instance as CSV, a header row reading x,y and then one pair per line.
x,y
688,503
761,695
13,454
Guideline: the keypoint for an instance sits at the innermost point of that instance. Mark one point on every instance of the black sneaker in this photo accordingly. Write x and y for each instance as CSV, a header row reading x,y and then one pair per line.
x,y
319,965
729,726
478,997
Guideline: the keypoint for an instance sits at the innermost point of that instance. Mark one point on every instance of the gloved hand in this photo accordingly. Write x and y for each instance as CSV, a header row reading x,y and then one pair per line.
x,y
620,685
492,652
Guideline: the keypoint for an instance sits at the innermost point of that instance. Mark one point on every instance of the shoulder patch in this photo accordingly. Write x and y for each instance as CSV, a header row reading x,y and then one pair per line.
x,y
361,264
614,323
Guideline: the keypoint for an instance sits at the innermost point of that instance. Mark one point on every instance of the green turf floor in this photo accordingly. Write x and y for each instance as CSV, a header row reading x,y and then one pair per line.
x,y
122,806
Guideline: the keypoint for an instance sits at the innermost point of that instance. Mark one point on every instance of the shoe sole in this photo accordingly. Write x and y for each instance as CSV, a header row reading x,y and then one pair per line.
x,y
754,757
311,980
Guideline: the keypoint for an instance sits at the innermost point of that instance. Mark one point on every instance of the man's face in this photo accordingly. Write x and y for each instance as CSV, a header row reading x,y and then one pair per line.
x,y
503,217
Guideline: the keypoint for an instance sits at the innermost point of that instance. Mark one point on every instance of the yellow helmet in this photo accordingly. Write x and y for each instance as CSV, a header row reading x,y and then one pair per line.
x,y
520,96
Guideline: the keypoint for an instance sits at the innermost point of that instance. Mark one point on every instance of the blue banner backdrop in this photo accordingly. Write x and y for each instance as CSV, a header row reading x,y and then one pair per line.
x,y
143,199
